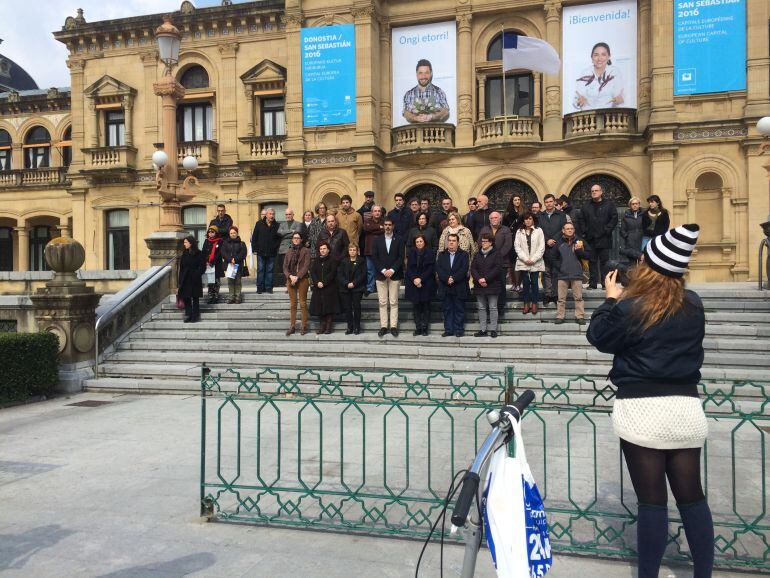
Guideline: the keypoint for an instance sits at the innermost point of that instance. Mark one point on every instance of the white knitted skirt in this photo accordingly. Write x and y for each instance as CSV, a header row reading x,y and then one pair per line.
x,y
662,423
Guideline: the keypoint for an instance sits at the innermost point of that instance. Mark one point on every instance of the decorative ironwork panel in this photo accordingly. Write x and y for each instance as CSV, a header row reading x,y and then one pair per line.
x,y
8,326
613,189
501,192
433,192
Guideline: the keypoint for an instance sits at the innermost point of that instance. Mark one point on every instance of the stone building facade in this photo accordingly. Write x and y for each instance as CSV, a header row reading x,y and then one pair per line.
x,y
242,118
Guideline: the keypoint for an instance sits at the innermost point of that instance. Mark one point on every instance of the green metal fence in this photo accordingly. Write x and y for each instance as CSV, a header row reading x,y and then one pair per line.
x,y
375,451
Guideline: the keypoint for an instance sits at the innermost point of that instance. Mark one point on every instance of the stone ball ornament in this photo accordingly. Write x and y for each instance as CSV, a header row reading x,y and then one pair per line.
x,y
64,255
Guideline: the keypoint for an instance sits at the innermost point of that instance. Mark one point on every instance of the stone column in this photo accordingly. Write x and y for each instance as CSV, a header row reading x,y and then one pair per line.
x,y
728,215
552,124
662,174
128,110
464,134
481,81
690,206
94,118
248,93
226,100
537,79
757,61
365,19
22,241
662,63
77,114
17,155
66,307
386,94
150,128
295,140
644,46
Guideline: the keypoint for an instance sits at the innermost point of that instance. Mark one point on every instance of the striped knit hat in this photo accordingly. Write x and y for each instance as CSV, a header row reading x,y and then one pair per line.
x,y
669,254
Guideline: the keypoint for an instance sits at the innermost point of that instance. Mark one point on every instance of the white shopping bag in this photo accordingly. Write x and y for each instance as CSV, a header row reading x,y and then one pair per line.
x,y
514,516
232,271
210,276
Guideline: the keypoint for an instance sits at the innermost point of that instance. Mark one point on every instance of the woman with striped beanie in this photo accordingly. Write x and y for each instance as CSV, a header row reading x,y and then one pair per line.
x,y
654,328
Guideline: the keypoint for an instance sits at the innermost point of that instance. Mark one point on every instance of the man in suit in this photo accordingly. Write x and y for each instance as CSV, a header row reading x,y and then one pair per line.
x,y
388,257
452,271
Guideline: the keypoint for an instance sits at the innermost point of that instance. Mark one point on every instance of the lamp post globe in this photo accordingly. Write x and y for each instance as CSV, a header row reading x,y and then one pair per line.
x,y
160,158
169,38
190,163
763,126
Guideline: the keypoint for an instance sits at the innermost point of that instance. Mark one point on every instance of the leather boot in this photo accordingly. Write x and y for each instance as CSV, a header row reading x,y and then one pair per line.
x,y
534,309
525,310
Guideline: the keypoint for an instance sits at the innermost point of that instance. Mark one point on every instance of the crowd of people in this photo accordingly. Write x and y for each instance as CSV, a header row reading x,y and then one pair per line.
x,y
342,254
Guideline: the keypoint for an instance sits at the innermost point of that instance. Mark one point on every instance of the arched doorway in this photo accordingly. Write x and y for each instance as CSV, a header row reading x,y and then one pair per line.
x,y
427,190
501,192
614,189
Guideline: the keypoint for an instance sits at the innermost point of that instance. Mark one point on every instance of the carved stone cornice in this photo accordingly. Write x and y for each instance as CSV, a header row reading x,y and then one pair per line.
x,y
149,58
168,86
366,12
76,65
292,21
464,22
552,10
228,50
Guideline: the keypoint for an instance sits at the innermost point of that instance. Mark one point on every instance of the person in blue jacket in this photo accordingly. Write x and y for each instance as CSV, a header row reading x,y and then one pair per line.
x,y
655,330
452,269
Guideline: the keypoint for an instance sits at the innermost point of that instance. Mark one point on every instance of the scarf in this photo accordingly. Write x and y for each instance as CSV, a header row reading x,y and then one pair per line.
x,y
214,245
293,256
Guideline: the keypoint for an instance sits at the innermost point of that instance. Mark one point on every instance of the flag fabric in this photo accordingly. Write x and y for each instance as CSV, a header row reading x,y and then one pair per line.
x,y
514,516
525,52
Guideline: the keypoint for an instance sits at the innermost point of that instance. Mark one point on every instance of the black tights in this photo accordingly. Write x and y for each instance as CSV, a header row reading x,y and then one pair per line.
x,y
649,469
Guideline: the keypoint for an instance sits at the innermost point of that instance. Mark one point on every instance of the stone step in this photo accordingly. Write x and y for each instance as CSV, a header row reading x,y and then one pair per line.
x,y
149,339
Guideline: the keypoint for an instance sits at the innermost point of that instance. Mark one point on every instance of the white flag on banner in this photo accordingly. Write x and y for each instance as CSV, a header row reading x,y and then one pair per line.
x,y
525,52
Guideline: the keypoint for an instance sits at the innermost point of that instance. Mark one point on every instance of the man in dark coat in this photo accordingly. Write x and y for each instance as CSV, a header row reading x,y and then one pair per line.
x,y
388,256
571,250
503,241
438,218
480,218
265,241
573,214
374,226
402,217
551,220
452,268
364,210
336,237
598,219
222,221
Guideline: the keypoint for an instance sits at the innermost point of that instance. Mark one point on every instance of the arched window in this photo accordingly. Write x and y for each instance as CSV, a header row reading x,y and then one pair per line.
x,y
194,221
709,212
5,150
500,193
195,77
6,249
37,147
38,239
66,147
519,87
427,190
118,243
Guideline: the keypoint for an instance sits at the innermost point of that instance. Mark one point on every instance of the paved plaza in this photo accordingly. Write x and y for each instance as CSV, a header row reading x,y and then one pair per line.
x,y
112,490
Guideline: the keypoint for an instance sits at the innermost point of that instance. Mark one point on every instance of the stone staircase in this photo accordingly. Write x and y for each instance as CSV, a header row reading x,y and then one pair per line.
x,y
164,354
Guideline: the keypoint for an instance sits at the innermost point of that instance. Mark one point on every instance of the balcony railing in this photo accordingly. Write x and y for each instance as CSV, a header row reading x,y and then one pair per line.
x,y
107,158
205,151
427,135
603,121
507,129
265,148
33,177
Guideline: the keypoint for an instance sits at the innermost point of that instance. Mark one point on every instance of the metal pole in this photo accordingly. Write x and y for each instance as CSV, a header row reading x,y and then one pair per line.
x,y
204,373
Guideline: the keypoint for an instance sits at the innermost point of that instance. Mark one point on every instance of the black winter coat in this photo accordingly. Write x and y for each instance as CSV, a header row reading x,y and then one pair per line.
x,y
488,267
223,225
566,264
233,249
663,360
597,221
662,224
338,242
265,239
192,265
431,238
219,270
324,301
551,226
420,264
352,272
403,220
631,230
458,271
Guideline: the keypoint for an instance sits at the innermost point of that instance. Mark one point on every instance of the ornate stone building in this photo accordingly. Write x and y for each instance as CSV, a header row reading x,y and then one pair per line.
x,y
242,117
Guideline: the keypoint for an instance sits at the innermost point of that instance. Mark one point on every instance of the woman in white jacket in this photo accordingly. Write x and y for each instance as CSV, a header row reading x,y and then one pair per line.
x,y
530,247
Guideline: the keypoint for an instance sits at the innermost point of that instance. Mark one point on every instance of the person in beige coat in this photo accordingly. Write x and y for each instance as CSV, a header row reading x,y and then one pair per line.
x,y
349,220
530,247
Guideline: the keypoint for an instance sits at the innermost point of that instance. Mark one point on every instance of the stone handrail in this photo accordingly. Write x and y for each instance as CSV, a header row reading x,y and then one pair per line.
x,y
601,121
204,151
111,157
44,176
432,135
502,129
266,147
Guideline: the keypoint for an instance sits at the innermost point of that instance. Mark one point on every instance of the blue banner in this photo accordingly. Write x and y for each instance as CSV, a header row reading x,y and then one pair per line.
x,y
329,75
709,46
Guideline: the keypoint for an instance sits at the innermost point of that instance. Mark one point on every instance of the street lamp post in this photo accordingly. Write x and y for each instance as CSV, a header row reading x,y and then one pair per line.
x,y
167,240
763,127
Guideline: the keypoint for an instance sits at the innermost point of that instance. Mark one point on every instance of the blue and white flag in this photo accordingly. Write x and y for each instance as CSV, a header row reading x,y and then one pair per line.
x,y
527,53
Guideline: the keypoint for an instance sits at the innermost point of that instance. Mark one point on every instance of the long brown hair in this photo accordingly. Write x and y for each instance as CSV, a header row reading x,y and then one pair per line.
x,y
658,297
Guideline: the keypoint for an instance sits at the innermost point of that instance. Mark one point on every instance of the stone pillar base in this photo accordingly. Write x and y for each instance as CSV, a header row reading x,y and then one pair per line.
x,y
72,376
163,246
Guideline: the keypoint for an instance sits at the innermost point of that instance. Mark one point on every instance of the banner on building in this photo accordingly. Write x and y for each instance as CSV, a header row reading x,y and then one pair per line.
x,y
599,56
709,46
329,75
424,68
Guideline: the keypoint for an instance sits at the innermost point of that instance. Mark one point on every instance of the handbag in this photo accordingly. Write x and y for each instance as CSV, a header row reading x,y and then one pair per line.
x,y
179,302
210,276
245,271
514,515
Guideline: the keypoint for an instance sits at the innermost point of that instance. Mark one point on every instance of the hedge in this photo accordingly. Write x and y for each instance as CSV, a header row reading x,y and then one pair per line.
x,y
29,365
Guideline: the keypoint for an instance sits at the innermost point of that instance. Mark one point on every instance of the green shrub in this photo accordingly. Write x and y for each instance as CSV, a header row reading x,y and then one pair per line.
x,y
30,365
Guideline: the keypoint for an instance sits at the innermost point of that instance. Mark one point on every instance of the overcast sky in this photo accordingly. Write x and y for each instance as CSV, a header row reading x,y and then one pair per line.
x,y
26,29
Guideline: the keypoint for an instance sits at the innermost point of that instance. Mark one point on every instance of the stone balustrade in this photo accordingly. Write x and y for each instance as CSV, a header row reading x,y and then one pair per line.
x,y
505,129
427,135
602,121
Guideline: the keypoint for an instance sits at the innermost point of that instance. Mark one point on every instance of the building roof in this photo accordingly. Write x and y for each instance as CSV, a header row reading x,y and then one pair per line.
x,y
13,76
